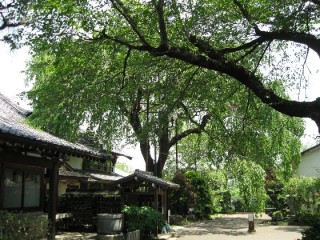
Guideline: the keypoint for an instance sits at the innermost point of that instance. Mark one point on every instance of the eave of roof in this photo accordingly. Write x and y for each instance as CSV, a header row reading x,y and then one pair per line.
x,y
147,177
14,129
310,149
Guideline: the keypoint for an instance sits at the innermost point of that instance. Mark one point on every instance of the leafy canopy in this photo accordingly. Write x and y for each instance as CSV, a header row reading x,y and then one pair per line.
x,y
104,61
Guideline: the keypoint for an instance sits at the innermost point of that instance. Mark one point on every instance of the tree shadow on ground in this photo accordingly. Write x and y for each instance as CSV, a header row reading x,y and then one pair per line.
x,y
233,225
225,225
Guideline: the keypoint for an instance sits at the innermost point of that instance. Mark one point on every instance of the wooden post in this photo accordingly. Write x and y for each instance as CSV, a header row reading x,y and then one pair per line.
x,y
53,196
165,204
1,184
156,202
251,223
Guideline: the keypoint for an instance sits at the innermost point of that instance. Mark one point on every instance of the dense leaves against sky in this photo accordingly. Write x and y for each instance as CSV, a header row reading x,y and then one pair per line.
x,y
161,71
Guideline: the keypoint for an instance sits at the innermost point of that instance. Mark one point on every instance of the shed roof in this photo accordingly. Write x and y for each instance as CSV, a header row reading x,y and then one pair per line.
x,y
142,175
13,127
310,149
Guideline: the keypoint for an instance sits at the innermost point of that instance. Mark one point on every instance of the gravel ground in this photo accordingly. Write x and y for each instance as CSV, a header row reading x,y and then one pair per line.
x,y
235,227
227,227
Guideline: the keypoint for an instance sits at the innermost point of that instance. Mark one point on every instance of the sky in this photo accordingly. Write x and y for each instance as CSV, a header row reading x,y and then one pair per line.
x,y
12,82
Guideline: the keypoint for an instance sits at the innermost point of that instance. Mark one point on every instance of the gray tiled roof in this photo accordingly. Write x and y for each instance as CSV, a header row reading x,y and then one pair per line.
x,y
13,127
71,174
145,176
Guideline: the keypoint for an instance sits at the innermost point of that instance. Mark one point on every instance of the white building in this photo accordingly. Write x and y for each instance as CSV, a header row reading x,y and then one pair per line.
x,y
310,162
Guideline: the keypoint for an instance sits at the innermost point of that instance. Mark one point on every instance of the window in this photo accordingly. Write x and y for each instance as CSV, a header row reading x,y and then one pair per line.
x,y
22,189
100,166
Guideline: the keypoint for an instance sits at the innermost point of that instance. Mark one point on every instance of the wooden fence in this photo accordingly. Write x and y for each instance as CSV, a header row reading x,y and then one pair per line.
x,y
134,235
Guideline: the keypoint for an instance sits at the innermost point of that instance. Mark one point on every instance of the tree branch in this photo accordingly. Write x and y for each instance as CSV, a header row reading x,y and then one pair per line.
x,y
248,45
213,60
197,130
162,26
303,38
119,6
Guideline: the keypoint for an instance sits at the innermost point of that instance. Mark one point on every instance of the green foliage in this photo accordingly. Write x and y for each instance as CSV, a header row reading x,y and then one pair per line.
x,y
183,198
277,216
194,192
276,196
123,167
302,192
312,233
221,196
98,63
148,220
203,194
306,217
23,226
91,65
249,178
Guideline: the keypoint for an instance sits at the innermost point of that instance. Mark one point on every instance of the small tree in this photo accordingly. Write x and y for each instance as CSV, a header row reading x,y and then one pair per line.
x,y
146,219
184,197
249,177
302,191
194,192
203,194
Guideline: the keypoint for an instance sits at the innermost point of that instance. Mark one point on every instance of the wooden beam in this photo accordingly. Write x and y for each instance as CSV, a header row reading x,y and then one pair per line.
x,y
53,196
156,202
13,157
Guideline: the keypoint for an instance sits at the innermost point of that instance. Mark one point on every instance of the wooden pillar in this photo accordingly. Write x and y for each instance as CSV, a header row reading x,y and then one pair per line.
x,y
156,202
164,203
2,168
53,196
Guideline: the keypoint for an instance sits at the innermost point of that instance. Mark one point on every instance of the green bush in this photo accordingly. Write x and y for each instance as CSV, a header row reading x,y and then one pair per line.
x,y
22,226
302,192
181,199
276,200
277,216
146,219
312,233
203,206
306,218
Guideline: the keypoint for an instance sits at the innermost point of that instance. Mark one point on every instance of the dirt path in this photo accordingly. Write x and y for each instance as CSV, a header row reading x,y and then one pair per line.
x,y
236,227
227,227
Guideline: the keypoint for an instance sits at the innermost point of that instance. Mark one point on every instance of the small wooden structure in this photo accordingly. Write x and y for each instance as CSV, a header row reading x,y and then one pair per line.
x,y
143,189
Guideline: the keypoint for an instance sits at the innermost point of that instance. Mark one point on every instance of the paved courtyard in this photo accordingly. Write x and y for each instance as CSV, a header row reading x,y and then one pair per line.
x,y
227,227
236,227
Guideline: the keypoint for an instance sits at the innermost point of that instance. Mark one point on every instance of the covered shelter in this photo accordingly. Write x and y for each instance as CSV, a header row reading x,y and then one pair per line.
x,y
143,189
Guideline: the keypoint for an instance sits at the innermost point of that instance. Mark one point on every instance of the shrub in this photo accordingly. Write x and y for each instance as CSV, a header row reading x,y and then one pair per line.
x,y
276,195
277,216
312,233
203,194
302,192
146,219
306,218
181,199
22,226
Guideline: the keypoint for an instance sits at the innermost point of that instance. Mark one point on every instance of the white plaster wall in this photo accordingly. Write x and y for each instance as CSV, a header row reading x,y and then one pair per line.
x,y
310,164
63,184
62,188
75,162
